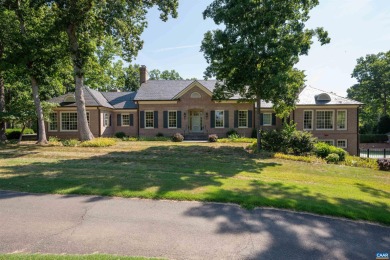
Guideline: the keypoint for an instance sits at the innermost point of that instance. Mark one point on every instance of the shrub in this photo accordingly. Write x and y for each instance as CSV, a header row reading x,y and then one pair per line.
x,y
301,142
323,150
70,142
177,137
384,164
14,133
356,161
99,142
254,133
236,140
273,141
332,158
371,138
233,137
213,138
55,141
231,132
159,134
120,135
154,138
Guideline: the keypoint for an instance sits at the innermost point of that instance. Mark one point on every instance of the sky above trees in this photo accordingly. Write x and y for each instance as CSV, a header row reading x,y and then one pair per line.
x,y
356,28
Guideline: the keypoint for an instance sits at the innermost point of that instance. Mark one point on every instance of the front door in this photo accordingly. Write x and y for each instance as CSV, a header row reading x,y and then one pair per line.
x,y
196,121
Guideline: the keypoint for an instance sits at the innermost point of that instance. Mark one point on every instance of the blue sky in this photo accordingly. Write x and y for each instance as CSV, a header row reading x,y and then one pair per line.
x,y
356,27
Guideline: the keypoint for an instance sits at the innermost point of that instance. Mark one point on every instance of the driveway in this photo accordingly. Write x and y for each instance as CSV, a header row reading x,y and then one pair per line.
x,y
178,230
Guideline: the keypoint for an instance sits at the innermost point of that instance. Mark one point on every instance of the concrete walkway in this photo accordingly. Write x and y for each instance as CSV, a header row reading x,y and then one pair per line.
x,y
178,230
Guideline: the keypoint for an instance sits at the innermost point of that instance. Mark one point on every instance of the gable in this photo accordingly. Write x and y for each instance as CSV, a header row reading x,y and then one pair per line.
x,y
194,94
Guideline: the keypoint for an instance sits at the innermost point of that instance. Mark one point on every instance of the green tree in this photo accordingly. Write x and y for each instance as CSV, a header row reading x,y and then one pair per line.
x,y
37,48
255,51
164,75
132,80
87,21
373,88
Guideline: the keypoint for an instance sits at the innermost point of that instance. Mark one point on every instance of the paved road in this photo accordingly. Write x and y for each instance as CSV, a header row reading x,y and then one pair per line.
x,y
178,230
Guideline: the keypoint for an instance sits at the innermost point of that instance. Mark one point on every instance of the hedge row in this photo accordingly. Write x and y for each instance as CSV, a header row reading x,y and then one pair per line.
x,y
371,138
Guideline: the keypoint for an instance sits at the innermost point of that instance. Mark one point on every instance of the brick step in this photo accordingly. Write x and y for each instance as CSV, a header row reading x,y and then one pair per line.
x,y
195,137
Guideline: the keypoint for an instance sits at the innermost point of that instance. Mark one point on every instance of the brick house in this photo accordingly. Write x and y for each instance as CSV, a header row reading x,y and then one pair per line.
x,y
187,107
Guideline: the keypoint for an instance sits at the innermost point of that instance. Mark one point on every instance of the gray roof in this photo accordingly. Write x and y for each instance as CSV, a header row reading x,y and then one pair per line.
x,y
308,97
94,98
121,100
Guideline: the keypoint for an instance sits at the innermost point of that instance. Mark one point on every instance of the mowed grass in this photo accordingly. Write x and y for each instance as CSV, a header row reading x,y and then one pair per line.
x,y
69,257
197,171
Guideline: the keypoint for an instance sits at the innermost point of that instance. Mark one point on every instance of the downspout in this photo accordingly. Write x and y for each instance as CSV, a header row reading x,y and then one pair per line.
x,y
100,123
357,131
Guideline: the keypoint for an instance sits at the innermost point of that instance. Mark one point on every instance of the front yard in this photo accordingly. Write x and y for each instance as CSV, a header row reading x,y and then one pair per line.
x,y
222,172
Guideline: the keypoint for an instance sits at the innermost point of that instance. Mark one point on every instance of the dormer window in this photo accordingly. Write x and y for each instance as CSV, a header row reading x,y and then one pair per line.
x,y
69,99
323,97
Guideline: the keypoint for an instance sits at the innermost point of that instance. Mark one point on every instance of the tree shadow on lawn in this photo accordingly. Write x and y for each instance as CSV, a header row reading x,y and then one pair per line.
x,y
156,172
279,234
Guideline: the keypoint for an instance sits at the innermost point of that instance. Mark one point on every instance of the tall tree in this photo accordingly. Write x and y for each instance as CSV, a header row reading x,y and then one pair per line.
x,y
38,48
373,88
156,74
255,51
87,21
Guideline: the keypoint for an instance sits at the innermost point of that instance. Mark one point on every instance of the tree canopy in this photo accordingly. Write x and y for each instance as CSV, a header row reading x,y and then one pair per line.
x,y
255,51
156,74
373,88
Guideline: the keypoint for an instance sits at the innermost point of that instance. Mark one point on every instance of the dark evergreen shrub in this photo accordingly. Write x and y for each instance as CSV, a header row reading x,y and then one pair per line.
x,y
177,137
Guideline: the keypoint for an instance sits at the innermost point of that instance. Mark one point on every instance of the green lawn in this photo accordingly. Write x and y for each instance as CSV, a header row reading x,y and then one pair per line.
x,y
69,257
222,172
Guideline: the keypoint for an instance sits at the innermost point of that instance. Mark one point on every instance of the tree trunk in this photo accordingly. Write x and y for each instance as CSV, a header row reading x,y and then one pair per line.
x,y
21,134
3,137
82,122
42,139
258,102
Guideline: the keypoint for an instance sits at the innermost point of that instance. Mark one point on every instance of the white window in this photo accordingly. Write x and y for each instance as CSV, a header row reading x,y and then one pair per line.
x,y
172,119
68,121
106,119
324,120
219,119
327,141
125,119
53,123
308,120
342,119
267,119
149,119
243,118
342,143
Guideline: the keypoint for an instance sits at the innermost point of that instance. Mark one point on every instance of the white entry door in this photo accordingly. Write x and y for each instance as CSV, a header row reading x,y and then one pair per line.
x,y
195,122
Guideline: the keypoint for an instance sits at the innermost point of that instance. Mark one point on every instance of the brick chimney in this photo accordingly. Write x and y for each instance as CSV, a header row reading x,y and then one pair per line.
x,y
143,74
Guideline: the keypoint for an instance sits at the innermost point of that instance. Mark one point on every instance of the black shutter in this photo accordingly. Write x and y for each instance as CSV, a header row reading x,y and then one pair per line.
x,y
226,114
178,119
142,119
131,120
165,119
119,119
155,119
235,118
250,119
212,119
273,119
110,119
261,118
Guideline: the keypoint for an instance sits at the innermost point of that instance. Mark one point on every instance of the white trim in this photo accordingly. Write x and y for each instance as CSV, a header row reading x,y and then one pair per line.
x,y
223,119
238,118
192,85
270,124
312,120
346,143
228,101
151,111
326,140
168,119
195,94
124,114
77,127
333,119
151,102
104,120
346,119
